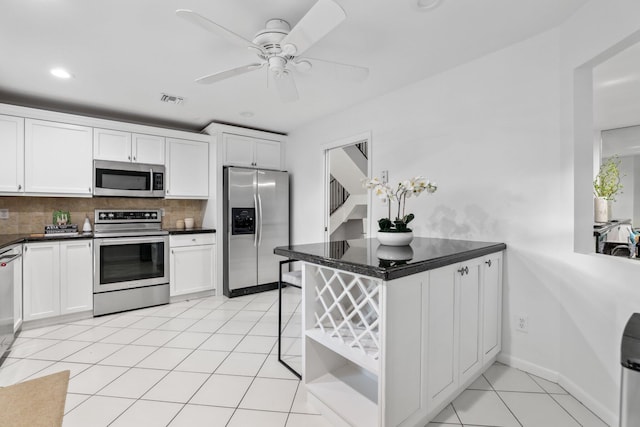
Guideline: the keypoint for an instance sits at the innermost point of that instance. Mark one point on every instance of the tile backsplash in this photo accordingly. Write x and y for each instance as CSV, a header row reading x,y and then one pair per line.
x,y
30,214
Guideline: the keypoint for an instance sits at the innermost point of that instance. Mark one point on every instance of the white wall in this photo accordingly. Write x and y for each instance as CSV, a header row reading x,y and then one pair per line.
x,y
497,135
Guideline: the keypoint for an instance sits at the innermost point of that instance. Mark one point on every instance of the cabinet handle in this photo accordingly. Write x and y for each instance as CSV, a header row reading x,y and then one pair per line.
x,y
466,270
461,271
134,158
19,186
193,240
172,251
129,157
488,263
89,189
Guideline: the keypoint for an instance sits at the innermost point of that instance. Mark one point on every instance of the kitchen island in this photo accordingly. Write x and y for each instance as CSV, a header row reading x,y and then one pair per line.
x,y
392,334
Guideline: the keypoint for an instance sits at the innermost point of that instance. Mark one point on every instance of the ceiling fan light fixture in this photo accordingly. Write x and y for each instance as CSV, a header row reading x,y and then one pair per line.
x,y
303,66
428,4
289,49
61,73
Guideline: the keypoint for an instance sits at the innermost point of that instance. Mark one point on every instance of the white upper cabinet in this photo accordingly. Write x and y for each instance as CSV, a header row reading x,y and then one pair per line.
x,y
127,147
12,158
58,158
251,152
147,149
187,168
111,145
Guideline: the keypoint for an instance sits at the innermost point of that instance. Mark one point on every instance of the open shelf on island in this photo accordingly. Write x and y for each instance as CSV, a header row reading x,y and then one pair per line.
x,y
355,355
350,392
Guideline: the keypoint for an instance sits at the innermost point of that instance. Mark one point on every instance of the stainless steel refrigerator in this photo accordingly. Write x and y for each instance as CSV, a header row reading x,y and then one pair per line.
x,y
256,220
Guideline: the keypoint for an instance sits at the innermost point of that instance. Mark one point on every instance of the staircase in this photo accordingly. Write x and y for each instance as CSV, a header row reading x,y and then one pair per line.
x,y
347,198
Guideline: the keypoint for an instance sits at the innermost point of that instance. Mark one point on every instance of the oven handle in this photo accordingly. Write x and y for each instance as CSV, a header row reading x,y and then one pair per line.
x,y
128,240
151,180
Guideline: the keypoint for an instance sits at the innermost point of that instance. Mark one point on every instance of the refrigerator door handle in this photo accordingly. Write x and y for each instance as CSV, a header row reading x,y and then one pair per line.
x,y
257,230
260,214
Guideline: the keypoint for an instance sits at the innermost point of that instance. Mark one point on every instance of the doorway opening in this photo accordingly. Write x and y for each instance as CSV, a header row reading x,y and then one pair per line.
x,y
347,163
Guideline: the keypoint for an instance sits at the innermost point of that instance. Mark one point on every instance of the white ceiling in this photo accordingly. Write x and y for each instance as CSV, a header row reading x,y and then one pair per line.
x,y
125,53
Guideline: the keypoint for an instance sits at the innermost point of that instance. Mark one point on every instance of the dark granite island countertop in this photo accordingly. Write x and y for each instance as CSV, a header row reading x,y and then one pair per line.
x,y
369,258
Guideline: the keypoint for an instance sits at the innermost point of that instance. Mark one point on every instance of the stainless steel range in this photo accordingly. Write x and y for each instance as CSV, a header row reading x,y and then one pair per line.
x,y
131,260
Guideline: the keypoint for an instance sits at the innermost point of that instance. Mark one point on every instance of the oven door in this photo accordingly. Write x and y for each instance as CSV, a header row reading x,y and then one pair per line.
x,y
130,262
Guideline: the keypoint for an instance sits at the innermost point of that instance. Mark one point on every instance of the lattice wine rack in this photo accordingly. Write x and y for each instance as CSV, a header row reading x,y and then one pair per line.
x,y
347,308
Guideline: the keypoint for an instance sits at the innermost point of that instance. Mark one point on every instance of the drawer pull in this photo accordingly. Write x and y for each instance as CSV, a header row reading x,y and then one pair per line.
x,y
488,263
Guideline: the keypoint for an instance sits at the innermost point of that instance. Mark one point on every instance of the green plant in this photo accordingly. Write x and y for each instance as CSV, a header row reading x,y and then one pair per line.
x,y
607,183
61,217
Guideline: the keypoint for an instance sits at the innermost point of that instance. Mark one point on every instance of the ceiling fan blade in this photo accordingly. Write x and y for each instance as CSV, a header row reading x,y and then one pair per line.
x,y
286,86
209,25
323,17
338,69
216,77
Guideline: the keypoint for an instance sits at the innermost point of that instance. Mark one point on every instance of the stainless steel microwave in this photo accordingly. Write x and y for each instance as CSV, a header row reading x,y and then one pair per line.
x,y
124,179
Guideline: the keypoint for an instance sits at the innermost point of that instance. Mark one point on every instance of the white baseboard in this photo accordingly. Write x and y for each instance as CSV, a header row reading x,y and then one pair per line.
x,y
594,405
529,367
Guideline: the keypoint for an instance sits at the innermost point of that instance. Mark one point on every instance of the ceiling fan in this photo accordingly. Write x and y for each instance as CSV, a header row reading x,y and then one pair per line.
x,y
279,47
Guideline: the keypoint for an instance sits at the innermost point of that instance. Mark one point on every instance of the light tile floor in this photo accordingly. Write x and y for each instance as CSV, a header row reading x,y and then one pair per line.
x,y
213,362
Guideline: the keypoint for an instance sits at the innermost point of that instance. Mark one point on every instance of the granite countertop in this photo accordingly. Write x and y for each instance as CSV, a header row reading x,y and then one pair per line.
x,y
14,239
194,230
369,258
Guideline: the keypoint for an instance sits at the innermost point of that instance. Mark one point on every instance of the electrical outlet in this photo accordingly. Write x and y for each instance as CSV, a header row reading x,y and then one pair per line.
x,y
4,213
161,211
522,323
384,177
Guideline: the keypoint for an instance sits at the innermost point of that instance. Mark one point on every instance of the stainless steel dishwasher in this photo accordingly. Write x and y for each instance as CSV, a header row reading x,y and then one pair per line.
x,y
7,259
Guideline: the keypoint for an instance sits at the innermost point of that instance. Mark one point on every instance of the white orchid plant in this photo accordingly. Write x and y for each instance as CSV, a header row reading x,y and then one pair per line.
x,y
404,190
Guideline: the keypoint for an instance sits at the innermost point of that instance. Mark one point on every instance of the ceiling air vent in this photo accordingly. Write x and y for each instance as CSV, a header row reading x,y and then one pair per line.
x,y
171,99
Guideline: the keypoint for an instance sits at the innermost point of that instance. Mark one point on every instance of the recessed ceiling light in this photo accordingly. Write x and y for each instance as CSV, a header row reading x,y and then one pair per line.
x,y
246,114
428,4
61,73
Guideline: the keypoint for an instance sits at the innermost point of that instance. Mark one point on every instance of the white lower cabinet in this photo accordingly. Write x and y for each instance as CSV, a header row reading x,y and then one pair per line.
x,y
76,276
395,353
58,278
192,263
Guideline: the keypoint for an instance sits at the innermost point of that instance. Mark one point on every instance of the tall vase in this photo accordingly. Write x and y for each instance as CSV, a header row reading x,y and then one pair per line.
x,y
601,209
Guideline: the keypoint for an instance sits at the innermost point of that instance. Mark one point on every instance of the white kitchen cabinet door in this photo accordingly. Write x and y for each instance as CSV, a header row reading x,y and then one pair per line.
x,y
111,145
442,338
41,281
251,152
187,167
17,294
238,150
268,154
492,304
12,158
58,158
468,282
76,276
147,149
192,269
